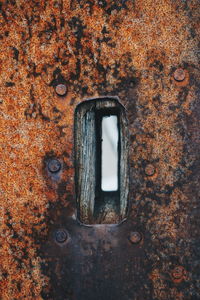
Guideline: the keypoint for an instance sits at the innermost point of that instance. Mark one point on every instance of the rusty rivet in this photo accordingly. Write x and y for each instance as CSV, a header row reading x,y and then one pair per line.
x,y
54,165
178,272
61,89
179,74
149,170
135,237
61,235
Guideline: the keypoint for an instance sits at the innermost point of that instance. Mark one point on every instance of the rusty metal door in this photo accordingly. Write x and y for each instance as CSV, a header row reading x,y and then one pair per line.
x,y
144,55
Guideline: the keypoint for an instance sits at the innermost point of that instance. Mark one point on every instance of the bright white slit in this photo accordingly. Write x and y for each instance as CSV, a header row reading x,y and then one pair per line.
x,y
109,164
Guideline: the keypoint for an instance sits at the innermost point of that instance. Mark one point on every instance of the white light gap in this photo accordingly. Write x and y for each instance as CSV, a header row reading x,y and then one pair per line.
x,y
109,150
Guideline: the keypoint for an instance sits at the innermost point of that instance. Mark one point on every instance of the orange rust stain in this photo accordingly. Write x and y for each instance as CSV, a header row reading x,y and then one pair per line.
x,y
178,274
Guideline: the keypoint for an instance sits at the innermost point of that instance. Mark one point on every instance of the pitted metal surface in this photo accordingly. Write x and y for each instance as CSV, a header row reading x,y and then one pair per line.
x,y
54,55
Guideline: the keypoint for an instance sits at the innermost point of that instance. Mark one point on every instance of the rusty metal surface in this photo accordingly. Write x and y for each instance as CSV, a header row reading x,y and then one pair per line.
x,y
98,262
128,49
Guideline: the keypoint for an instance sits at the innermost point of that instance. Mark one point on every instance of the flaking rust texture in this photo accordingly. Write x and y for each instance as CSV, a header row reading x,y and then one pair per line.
x,y
128,49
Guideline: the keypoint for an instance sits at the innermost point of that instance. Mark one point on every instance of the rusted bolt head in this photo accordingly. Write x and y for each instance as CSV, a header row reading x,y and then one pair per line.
x,y
179,74
61,236
178,272
54,165
61,89
149,170
135,237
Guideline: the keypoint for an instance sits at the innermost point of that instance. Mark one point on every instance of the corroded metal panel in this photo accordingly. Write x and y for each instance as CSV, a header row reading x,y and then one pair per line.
x,y
54,55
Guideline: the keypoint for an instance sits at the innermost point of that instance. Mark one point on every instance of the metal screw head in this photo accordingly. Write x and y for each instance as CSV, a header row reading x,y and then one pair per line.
x,y
179,74
54,165
149,170
61,235
61,89
135,237
178,272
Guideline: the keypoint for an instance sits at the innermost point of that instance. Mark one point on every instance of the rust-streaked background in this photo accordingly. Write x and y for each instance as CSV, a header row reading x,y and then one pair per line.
x,y
128,49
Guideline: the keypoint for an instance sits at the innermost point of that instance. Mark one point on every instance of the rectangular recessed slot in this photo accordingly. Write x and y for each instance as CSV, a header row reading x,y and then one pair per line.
x,y
101,161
